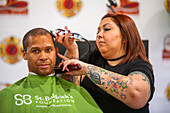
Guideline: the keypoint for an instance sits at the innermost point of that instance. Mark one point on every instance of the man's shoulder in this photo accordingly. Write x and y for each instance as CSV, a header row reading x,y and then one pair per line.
x,y
13,86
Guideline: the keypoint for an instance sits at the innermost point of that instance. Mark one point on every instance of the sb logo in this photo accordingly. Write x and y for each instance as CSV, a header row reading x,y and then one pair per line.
x,y
22,99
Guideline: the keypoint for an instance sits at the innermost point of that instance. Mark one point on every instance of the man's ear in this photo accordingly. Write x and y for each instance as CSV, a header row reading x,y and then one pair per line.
x,y
24,54
56,49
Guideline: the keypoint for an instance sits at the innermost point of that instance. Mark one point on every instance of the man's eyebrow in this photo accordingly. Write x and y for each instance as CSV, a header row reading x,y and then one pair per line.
x,y
49,47
39,47
35,48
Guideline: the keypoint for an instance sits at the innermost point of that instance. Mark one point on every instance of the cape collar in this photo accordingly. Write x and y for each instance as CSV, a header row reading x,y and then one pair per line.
x,y
32,73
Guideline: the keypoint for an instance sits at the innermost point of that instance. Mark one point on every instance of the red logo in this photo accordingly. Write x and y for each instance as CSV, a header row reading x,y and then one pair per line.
x,y
13,7
10,51
124,6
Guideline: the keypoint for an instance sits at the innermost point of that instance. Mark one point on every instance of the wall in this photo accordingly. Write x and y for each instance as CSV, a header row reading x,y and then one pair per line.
x,y
153,23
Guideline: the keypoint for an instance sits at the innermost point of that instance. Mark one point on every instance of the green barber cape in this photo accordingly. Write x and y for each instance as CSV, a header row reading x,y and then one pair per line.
x,y
46,94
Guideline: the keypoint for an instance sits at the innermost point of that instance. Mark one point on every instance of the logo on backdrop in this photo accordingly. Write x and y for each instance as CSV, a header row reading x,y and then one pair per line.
x,y
123,6
166,51
3,85
10,50
69,8
167,6
167,92
13,7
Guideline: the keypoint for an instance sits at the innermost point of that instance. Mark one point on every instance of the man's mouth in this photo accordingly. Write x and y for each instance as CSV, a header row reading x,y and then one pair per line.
x,y
43,66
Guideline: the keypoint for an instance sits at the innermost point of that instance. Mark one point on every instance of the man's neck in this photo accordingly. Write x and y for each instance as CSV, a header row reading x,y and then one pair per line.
x,y
32,73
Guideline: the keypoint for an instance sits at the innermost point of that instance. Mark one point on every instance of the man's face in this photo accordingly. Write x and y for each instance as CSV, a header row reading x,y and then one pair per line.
x,y
40,55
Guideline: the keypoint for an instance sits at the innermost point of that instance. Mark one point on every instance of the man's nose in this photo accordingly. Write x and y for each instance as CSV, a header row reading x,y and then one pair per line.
x,y
43,56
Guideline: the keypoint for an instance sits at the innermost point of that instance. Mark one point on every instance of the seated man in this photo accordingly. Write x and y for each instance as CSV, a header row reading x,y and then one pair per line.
x,y
41,91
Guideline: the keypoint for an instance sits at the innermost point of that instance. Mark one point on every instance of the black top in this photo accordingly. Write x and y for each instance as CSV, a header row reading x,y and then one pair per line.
x,y
106,102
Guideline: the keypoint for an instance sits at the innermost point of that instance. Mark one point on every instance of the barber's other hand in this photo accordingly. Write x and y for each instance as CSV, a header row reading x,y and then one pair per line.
x,y
69,43
68,62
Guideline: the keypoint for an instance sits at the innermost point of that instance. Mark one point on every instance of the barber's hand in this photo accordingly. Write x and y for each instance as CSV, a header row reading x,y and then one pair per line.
x,y
68,62
69,43
70,67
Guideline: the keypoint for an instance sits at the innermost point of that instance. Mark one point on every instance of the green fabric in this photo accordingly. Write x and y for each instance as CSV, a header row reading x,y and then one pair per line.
x,y
46,94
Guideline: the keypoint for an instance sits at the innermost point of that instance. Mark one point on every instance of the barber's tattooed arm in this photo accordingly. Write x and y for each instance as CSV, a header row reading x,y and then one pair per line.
x,y
70,78
72,54
133,90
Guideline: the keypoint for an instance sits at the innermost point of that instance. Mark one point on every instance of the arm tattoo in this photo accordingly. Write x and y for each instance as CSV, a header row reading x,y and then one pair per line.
x,y
130,80
72,57
71,78
145,78
113,81
116,83
74,79
94,74
122,96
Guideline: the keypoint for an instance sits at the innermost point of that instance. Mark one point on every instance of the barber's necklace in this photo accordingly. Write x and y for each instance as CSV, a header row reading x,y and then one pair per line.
x,y
116,58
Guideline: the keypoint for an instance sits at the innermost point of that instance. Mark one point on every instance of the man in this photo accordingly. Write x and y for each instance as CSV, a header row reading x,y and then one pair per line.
x,y
41,91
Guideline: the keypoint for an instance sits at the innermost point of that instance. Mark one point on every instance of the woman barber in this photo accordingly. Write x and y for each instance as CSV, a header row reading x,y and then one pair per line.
x,y
118,74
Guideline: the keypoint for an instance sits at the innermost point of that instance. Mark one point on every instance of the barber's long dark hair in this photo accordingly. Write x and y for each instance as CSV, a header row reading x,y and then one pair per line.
x,y
131,40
